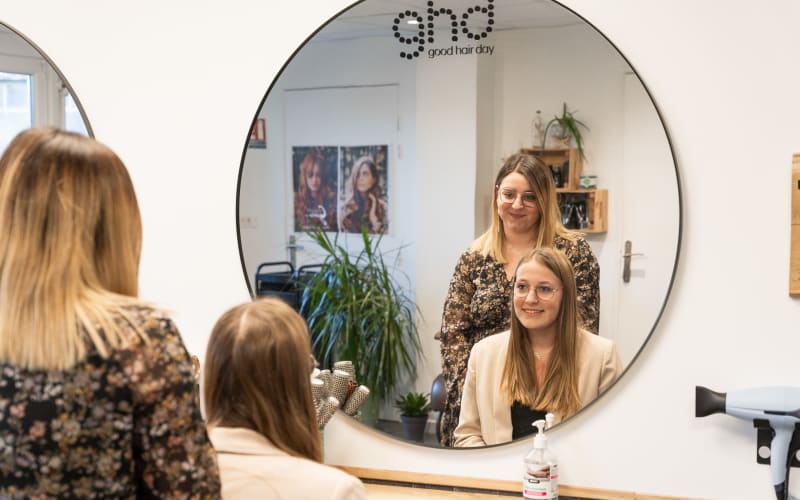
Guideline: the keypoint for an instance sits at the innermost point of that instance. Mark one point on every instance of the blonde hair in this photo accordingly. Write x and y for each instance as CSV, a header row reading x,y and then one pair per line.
x,y
558,392
70,240
257,375
540,179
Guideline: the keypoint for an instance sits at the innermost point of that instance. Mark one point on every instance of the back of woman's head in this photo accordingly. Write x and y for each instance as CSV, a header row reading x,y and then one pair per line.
x,y
69,229
257,375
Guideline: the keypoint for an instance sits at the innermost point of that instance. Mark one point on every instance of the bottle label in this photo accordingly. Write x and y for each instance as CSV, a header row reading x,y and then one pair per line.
x,y
540,483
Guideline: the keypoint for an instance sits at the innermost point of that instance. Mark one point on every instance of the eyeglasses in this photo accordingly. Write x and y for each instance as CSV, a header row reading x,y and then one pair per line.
x,y
542,292
510,196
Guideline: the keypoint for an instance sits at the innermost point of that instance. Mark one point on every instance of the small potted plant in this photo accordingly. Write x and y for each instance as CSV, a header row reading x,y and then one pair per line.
x,y
414,408
567,127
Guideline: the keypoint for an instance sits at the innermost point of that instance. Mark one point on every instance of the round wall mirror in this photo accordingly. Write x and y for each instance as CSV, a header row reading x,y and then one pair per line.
x,y
437,93
33,91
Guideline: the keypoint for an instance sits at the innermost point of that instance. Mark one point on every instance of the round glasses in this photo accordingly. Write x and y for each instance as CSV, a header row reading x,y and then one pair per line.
x,y
510,196
542,292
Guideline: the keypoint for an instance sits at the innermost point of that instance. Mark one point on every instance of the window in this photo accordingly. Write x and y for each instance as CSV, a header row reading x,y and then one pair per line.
x,y
73,121
16,105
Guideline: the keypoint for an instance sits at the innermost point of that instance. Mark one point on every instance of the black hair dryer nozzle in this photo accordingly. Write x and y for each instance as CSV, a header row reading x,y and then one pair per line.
x,y
708,402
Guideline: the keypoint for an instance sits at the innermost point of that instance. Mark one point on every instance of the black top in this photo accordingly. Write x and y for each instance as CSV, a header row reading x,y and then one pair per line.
x,y
522,419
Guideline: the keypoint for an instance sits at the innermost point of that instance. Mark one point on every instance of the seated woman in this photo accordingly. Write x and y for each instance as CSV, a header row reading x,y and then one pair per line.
x,y
546,363
260,411
96,390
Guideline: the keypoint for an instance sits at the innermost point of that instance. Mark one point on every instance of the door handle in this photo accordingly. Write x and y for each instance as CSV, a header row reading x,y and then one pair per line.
x,y
626,261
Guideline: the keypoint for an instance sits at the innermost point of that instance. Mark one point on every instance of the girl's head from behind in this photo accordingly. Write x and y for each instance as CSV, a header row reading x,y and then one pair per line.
x,y
257,375
70,240
68,213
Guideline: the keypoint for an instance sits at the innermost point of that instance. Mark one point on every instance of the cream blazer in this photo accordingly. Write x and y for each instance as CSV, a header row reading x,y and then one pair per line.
x,y
252,467
485,415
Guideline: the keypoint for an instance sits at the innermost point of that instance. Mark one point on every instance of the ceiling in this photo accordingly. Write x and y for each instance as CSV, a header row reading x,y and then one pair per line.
x,y
374,18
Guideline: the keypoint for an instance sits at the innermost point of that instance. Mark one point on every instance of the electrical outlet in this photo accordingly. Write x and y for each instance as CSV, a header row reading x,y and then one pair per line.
x,y
248,221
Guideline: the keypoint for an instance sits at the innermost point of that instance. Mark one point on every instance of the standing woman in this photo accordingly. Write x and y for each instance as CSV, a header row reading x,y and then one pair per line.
x,y
96,387
260,409
525,215
546,363
315,201
364,203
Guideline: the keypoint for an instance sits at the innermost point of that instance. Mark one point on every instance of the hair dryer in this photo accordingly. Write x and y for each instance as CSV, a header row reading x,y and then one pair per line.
x,y
780,406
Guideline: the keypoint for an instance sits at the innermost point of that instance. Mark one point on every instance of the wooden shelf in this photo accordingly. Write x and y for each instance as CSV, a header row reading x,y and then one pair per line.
x,y
593,201
567,159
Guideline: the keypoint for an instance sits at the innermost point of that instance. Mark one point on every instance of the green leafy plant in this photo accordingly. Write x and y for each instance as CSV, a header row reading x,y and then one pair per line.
x,y
413,404
357,310
569,126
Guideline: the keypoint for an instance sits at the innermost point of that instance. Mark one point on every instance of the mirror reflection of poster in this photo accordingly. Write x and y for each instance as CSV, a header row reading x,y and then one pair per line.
x,y
315,186
363,193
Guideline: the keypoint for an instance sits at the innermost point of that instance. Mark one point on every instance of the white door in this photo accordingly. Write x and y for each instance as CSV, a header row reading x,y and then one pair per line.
x,y
650,220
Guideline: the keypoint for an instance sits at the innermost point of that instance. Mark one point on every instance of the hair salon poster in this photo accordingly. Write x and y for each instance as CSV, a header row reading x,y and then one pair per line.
x,y
341,188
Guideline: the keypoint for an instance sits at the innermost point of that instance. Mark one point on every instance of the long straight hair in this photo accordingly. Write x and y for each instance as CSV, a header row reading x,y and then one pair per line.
x,y
258,375
540,178
558,392
70,241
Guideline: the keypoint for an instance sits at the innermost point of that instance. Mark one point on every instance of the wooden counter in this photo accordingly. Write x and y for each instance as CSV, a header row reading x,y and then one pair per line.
x,y
395,485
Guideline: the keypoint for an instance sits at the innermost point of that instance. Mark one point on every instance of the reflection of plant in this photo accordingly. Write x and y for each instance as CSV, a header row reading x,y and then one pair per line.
x,y
570,126
413,404
356,310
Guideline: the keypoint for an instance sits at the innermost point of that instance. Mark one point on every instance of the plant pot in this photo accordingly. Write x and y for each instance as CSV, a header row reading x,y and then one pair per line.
x,y
414,427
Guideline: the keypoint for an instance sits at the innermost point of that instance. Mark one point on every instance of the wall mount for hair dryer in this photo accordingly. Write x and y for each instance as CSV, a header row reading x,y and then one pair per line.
x,y
764,435
775,413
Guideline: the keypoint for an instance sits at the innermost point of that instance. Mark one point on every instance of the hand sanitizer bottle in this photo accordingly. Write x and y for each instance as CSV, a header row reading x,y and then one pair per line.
x,y
541,468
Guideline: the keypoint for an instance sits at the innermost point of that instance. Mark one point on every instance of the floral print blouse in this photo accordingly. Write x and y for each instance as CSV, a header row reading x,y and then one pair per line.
x,y
126,426
478,304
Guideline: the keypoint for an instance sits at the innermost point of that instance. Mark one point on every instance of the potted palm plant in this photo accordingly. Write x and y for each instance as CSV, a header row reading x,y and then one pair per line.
x,y
356,310
567,127
414,408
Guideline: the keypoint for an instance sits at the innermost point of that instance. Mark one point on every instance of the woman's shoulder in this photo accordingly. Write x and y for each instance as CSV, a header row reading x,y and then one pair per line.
x,y
245,455
592,343
577,249
571,240
147,318
492,343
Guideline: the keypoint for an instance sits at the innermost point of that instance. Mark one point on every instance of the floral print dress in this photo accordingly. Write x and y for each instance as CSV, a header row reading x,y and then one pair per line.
x,y
125,426
478,304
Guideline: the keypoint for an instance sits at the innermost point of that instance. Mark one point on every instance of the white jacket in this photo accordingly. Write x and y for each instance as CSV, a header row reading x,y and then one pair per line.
x,y
486,416
251,467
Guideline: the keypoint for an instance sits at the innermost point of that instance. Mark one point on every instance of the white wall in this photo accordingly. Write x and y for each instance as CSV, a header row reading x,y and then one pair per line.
x,y
173,86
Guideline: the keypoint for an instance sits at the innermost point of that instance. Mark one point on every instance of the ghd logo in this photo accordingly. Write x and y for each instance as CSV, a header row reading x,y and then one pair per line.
x,y
425,28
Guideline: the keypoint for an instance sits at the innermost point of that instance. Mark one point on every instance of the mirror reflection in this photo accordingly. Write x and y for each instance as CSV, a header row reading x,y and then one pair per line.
x,y
32,91
439,119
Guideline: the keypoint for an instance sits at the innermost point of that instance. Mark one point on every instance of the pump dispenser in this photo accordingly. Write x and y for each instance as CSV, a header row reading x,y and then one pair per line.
x,y
541,468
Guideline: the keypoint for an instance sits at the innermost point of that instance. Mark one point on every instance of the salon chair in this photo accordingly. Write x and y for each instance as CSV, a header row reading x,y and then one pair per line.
x,y
437,398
